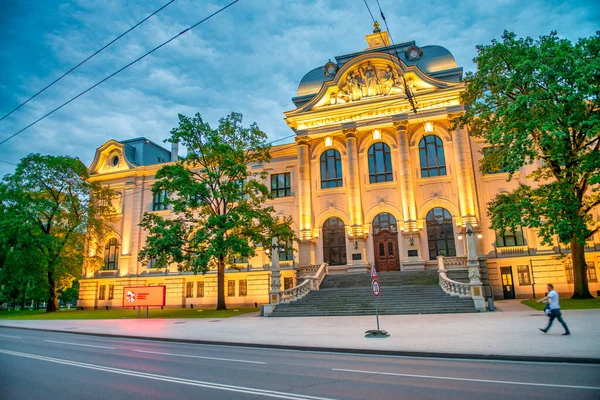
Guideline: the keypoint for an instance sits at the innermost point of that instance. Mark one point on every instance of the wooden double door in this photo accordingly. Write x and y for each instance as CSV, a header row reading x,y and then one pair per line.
x,y
385,244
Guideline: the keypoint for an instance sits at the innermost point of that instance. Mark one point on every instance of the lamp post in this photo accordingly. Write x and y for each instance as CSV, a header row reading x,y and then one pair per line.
x,y
473,265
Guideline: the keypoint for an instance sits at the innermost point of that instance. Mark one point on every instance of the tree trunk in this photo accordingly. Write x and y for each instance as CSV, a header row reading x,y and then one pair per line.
x,y
52,299
23,298
581,290
221,284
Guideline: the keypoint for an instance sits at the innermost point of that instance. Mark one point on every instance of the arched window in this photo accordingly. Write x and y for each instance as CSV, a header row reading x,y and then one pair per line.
x,y
431,153
334,242
380,163
384,221
331,169
111,254
440,233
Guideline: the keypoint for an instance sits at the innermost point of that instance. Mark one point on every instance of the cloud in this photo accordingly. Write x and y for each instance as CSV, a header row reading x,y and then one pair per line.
x,y
250,58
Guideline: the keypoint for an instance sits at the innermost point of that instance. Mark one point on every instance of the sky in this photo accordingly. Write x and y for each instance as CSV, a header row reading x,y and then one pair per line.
x,y
249,59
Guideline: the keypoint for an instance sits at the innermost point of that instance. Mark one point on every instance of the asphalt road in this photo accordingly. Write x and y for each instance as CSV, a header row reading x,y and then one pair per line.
x,y
46,365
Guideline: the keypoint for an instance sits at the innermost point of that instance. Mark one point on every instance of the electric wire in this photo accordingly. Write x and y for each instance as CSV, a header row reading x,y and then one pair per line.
x,y
118,71
87,59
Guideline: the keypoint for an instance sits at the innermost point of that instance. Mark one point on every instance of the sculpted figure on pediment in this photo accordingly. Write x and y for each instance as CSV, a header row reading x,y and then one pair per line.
x,y
392,83
372,81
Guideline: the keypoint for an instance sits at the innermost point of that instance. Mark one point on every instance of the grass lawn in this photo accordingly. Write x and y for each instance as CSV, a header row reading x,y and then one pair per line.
x,y
126,313
567,304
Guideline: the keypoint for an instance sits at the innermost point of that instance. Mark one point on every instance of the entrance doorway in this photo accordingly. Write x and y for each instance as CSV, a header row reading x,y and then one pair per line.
x,y
386,251
508,288
334,242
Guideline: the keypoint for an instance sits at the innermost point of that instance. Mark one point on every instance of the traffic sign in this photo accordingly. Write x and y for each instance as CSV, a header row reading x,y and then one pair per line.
x,y
373,272
375,287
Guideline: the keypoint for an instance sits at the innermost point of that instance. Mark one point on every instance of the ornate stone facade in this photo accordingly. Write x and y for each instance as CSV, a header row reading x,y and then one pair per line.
x,y
371,182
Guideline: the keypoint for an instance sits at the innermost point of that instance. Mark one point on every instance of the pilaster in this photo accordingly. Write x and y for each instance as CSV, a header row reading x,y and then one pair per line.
x,y
412,258
465,176
306,247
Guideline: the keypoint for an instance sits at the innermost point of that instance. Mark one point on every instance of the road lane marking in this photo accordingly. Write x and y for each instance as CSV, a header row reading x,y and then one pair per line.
x,y
11,336
79,344
449,378
172,379
206,358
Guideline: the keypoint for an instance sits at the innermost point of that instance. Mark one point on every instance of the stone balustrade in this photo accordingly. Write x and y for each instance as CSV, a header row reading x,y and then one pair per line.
x,y
473,289
313,275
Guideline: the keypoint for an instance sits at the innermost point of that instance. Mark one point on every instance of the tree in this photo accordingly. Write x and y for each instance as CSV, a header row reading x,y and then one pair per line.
x,y
48,206
217,201
539,100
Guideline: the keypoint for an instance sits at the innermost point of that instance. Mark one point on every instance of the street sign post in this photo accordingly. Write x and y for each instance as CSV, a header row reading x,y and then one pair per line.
x,y
376,289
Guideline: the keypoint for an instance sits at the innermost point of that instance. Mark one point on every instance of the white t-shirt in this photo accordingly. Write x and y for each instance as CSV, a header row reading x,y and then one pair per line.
x,y
553,299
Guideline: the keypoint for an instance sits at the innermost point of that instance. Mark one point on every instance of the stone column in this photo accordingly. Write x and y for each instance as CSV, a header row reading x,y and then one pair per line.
x,y
275,284
357,249
412,244
306,248
474,273
465,176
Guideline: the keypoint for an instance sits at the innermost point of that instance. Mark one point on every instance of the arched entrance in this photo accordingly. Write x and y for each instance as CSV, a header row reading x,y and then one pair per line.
x,y
334,242
385,242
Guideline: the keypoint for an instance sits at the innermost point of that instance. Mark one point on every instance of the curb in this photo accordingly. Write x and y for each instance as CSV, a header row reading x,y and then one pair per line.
x,y
419,354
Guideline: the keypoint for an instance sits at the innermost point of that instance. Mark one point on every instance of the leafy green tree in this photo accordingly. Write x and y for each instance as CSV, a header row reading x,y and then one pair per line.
x,y
217,201
48,206
540,100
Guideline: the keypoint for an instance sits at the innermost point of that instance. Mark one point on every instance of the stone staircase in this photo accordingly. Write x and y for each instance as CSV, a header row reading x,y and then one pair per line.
x,y
401,293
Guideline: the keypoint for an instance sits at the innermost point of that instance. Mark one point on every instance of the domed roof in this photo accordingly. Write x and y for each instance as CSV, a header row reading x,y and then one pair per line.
x,y
435,61
311,82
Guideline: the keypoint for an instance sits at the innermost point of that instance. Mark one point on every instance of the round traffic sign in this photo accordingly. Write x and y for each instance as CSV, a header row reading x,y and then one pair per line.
x,y
375,287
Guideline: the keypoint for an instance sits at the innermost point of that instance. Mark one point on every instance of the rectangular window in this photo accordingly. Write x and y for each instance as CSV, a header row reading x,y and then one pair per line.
x,y
591,272
288,283
158,201
240,260
524,278
569,272
285,252
102,292
200,289
153,263
111,292
189,289
508,238
243,287
494,156
230,288
281,185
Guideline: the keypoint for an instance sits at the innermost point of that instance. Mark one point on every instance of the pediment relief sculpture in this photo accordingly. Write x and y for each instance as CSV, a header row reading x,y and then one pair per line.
x,y
366,81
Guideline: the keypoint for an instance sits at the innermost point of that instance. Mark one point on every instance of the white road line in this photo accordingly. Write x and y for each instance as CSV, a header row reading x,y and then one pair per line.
x,y
206,358
79,344
11,336
449,378
172,379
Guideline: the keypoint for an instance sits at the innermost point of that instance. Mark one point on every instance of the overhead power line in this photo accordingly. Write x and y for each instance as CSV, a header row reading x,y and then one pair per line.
x,y
87,59
118,71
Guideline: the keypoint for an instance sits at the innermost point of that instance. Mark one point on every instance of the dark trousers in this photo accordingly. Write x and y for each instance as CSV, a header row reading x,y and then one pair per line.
x,y
557,314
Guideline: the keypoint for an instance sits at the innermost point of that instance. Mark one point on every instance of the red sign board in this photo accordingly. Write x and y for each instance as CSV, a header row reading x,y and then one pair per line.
x,y
375,287
144,296
373,272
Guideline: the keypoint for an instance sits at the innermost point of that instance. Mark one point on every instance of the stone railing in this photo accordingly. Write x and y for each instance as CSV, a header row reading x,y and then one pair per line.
x,y
472,290
512,251
454,262
313,275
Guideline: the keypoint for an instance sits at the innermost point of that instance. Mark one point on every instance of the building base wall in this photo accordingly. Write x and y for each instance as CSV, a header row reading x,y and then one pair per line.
x,y
249,289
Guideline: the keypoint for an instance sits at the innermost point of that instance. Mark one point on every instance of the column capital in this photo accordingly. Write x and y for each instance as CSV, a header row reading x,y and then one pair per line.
x,y
401,125
350,133
454,115
302,140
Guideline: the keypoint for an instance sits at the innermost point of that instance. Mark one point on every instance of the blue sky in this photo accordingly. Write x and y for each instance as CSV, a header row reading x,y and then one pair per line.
x,y
248,59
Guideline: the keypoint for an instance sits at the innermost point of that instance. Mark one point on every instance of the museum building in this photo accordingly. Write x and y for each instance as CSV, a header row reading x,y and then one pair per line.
x,y
377,176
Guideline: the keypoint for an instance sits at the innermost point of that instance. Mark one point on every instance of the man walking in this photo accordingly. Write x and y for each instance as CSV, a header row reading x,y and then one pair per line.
x,y
552,298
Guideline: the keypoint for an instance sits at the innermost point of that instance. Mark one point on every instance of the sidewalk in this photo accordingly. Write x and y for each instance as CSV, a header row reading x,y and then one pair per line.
x,y
510,335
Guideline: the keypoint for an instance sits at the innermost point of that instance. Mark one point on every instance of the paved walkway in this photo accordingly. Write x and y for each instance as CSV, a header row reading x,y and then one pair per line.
x,y
510,335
